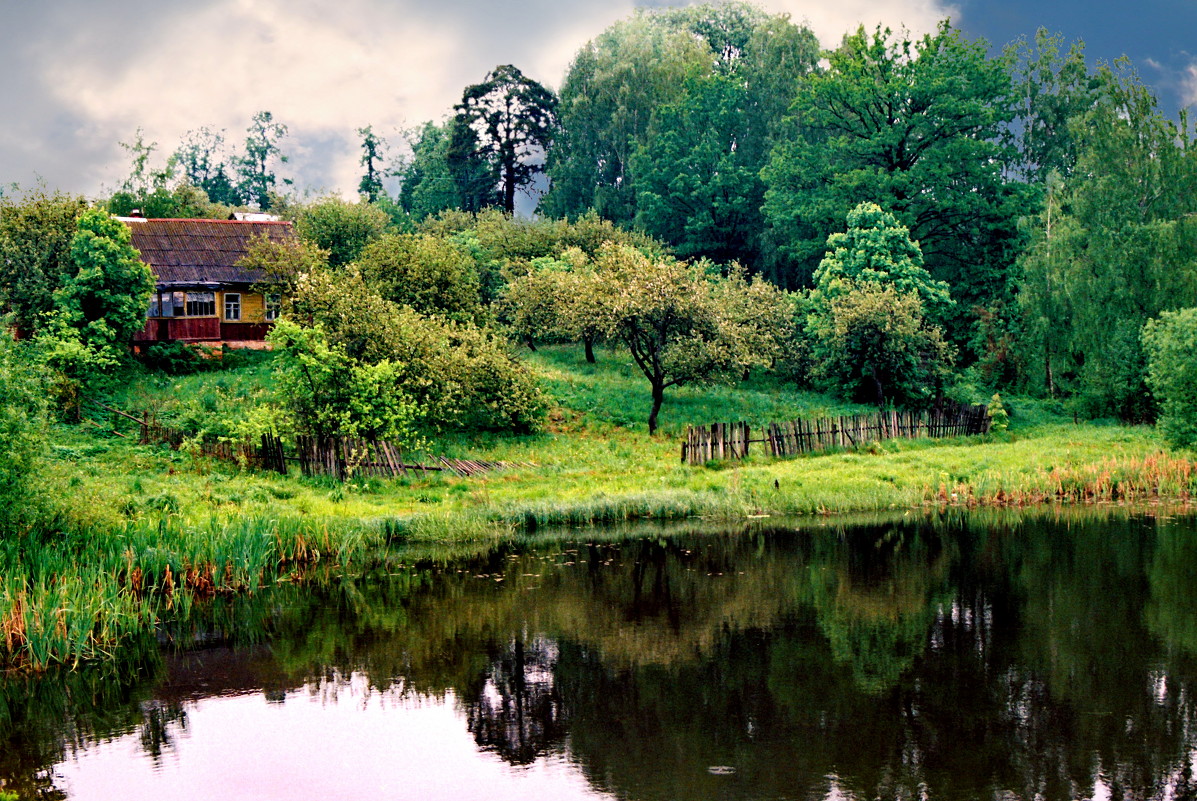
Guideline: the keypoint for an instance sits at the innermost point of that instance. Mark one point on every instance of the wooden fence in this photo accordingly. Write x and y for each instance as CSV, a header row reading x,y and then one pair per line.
x,y
266,454
341,457
346,456
790,438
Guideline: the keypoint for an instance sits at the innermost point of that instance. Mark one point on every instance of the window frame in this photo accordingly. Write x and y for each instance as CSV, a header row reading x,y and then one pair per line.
x,y
232,303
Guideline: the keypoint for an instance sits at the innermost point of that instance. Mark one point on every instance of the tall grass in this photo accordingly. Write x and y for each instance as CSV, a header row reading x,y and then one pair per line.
x,y
66,597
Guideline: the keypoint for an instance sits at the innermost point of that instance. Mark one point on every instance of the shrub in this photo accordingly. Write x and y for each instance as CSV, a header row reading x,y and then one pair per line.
x,y
22,421
456,373
428,274
326,393
340,228
1170,343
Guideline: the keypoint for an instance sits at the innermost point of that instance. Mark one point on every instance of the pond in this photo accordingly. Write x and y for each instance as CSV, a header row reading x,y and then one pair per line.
x,y
936,656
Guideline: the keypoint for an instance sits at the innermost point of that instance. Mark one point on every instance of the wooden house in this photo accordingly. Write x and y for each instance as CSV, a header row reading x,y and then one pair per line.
x,y
202,295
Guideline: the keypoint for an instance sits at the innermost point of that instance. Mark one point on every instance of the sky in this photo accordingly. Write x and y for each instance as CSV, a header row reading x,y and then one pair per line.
x,y
77,77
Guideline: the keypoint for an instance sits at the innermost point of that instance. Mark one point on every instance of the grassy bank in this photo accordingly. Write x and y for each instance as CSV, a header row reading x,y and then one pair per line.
x,y
131,534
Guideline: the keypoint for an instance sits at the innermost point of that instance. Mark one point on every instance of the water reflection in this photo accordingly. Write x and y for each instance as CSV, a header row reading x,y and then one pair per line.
x,y
946,657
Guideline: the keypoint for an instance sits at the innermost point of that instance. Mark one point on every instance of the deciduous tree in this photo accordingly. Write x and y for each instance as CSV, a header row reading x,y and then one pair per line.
x,y
425,273
678,323
866,326
373,155
915,126
105,301
36,230
340,228
256,179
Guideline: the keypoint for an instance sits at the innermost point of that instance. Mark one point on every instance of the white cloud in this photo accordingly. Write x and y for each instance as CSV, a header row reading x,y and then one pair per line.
x,y
831,20
1188,89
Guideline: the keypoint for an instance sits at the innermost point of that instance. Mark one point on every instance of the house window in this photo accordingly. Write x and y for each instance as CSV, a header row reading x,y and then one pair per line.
x,y
201,304
274,306
232,306
155,306
178,304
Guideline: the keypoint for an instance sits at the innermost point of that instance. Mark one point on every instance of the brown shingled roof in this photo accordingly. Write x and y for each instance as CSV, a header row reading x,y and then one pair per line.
x,y
201,251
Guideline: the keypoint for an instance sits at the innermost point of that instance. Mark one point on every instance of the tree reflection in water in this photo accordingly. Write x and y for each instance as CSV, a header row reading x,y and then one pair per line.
x,y
944,658
517,711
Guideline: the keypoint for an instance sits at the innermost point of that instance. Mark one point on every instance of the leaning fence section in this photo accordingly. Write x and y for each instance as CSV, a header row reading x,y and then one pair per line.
x,y
793,437
339,457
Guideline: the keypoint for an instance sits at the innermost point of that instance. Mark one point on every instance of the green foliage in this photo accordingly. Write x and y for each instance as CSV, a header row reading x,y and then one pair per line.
x,y
105,301
683,103
182,201
204,165
914,126
161,192
866,330
679,324
326,393
22,426
876,249
176,358
459,375
502,123
872,344
1114,246
374,149
1171,345
533,300
698,183
999,418
256,180
612,87
36,230
340,228
426,185
283,263
1052,87
426,273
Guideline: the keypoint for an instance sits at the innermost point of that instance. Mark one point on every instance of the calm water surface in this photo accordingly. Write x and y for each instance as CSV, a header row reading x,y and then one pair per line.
x,y
941,658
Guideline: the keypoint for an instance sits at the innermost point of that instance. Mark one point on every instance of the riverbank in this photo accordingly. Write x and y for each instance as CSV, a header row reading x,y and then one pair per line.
x,y
131,534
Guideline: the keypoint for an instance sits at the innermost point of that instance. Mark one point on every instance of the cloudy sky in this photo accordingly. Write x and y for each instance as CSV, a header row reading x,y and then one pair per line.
x,y
79,76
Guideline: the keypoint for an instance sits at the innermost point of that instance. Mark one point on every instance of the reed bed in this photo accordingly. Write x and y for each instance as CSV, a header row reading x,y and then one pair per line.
x,y
66,599
1154,477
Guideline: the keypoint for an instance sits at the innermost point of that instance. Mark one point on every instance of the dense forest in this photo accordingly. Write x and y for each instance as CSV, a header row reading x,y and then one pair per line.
x,y
896,220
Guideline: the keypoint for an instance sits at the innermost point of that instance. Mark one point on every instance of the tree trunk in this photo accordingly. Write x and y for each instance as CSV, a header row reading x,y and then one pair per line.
x,y
658,399
531,345
589,343
879,390
509,185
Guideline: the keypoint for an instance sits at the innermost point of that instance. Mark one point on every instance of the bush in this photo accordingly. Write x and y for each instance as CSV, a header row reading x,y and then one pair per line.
x,y
22,421
326,393
176,358
340,228
1170,343
430,275
457,374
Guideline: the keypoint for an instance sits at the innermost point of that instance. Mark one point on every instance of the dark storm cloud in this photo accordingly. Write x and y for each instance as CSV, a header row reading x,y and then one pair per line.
x,y
1158,35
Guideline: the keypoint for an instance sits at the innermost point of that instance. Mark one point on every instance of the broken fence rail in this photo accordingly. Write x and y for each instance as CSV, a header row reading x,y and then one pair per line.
x,y
341,457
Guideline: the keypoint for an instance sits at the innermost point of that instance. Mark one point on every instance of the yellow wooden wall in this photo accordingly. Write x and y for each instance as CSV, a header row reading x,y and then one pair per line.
x,y
253,307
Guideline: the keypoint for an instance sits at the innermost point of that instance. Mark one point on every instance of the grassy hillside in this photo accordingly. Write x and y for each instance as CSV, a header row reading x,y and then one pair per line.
x,y
597,462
